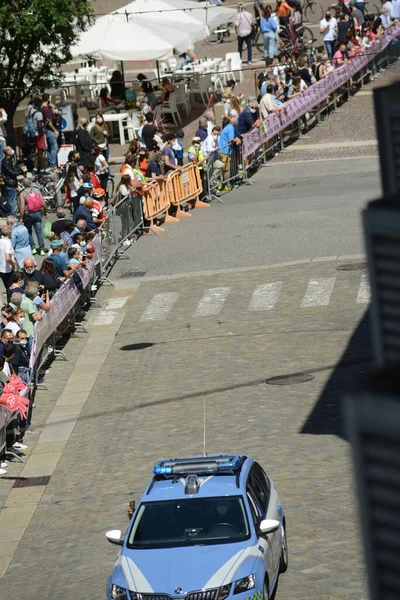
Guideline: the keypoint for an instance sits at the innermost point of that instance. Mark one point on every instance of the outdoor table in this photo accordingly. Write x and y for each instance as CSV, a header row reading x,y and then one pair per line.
x,y
118,118
199,67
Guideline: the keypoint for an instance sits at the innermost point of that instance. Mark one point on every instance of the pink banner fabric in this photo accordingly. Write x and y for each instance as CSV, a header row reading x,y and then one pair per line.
x,y
315,94
61,305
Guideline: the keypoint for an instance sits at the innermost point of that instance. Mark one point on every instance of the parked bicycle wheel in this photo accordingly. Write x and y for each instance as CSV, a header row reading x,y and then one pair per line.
x,y
307,35
217,36
371,9
313,12
259,41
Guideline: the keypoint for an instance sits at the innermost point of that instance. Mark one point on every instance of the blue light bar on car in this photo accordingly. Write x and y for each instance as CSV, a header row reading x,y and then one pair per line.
x,y
198,465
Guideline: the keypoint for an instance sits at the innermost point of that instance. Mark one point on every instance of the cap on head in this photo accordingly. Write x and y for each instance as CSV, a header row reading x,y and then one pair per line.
x,y
54,244
196,140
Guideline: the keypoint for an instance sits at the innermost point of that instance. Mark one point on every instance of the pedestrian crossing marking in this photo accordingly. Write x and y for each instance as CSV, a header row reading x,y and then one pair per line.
x,y
159,307
212,301
364,292
265,296
318,292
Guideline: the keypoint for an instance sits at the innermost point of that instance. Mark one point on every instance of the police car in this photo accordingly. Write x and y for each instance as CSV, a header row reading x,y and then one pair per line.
x,y
206,528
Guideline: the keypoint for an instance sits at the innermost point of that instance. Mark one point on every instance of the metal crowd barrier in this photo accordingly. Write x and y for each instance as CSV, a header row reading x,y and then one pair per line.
x,y
324,96
124,221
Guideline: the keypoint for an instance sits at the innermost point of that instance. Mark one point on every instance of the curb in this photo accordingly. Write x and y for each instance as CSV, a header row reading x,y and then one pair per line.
x,y
136,281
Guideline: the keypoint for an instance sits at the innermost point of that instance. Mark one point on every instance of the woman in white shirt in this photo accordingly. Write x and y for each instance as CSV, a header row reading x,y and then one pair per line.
x,y
101,167
74,183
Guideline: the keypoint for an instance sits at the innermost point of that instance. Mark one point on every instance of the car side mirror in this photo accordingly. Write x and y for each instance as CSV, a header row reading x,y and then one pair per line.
x,y
115,537
269,525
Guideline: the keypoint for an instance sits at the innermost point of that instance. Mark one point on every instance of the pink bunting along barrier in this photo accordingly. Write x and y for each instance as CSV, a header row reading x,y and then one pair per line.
x,y
13,396
314,95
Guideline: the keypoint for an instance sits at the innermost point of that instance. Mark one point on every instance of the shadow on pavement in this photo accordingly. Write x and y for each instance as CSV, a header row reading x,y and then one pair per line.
x,y
140,346
326,417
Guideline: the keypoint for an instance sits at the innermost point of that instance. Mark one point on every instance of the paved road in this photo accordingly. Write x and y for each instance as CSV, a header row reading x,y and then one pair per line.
x,y
221,335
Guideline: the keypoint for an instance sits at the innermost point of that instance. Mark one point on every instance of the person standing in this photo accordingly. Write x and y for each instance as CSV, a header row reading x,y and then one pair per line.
x,y
31,206
50,132
99,134
84,144
147,88
196,156
3,134
243,24
101,167
328,29
35,113
10,173
6,256
269,28
19,240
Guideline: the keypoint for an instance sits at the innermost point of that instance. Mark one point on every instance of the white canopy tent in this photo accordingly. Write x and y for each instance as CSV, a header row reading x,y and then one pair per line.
x,y
196,18
147,30
114,37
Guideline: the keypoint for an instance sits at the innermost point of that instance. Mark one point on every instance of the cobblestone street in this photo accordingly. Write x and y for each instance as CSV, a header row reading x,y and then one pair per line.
x,y
147,403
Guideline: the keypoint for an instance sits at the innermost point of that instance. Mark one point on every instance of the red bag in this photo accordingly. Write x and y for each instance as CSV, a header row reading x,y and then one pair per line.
x,y
34,202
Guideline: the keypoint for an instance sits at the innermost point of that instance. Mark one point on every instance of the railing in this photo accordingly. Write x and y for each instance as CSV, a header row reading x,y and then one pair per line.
x,y
328,91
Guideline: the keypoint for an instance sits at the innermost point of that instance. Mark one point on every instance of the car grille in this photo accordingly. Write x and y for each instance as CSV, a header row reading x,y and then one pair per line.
x,y
201,595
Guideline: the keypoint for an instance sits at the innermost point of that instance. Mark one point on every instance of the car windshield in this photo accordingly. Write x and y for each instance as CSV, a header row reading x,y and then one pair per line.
x,y
189,522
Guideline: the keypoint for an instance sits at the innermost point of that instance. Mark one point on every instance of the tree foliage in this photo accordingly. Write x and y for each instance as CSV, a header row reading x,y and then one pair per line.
x,y
35,40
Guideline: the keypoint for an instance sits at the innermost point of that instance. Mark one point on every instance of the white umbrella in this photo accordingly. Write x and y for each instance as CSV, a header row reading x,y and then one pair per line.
x,y
114,37
179,15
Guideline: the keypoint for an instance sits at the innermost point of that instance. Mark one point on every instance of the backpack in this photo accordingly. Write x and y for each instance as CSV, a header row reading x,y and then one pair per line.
x,y
34,202
29,128
4,207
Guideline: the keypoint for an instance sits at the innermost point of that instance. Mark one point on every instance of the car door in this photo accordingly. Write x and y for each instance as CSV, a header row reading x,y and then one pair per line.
x,y
265,542
270,507
265,497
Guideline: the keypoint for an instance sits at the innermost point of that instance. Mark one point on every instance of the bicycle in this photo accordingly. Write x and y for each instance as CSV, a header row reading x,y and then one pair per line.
x,y
294,40
371,9
219,35
50,186
312,11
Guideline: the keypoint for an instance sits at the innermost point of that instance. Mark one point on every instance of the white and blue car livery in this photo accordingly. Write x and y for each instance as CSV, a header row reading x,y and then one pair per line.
x,y
206,528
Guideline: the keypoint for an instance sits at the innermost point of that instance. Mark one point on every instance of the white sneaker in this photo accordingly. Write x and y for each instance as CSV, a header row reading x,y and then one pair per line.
x,y
3,472
4,464
20,446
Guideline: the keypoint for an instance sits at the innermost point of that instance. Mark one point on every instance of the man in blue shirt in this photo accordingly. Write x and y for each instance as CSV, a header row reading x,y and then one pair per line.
x,y
227,136
226,139
61,266
85,211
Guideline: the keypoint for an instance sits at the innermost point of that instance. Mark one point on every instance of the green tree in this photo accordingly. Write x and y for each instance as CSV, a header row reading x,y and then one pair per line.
x,y
35,40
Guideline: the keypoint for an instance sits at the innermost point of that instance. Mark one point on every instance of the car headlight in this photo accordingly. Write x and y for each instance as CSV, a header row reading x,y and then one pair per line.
x,y
242,585
224,591
118,593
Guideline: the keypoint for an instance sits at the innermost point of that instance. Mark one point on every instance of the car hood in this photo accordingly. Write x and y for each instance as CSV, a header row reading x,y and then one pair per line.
x,y
189,568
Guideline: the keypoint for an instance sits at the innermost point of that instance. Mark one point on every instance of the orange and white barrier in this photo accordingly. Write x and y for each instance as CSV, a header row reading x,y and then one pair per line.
x,y
155,205
183,187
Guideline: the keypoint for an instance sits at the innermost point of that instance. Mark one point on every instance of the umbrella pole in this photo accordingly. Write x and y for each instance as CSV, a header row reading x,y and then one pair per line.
x,y
158,71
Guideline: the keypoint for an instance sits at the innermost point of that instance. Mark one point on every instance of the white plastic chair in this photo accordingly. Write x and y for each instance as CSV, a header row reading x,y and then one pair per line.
x,y
170,107
182,98
200,85
235,65
225,71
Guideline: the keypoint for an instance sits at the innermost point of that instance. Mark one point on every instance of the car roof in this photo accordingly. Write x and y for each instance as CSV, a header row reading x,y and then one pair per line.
x,y
218,484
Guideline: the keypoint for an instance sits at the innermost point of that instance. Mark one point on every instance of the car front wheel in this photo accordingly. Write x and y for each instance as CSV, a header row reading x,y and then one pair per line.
x,y
284,561
266,590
